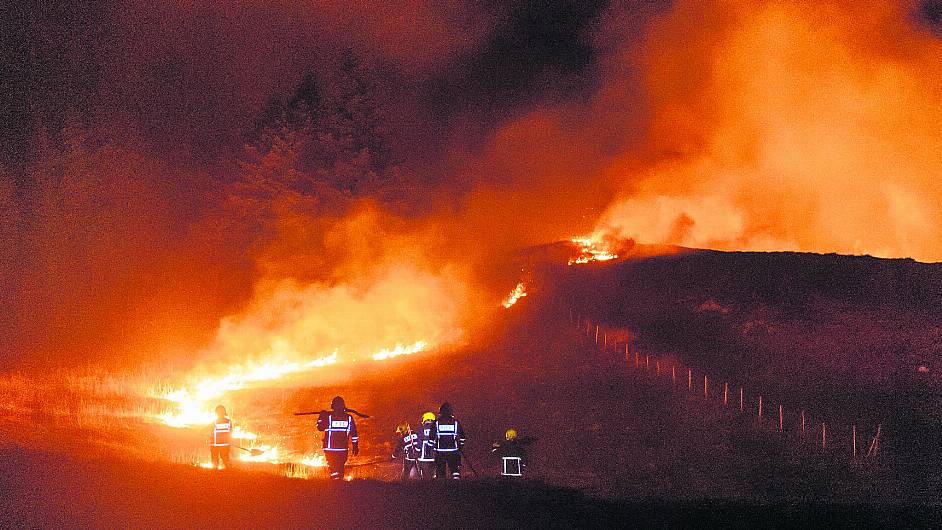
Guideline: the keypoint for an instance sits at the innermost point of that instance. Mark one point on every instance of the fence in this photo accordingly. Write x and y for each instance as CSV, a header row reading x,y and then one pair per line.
x,y
830,438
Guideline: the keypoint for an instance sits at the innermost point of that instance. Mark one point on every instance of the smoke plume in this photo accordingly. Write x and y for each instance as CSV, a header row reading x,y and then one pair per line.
x,y
783,126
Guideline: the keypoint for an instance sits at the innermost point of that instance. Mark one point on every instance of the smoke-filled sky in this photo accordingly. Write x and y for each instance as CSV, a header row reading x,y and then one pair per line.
x,y
170,167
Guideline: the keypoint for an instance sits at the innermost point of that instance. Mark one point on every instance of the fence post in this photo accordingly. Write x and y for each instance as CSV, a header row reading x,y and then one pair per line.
x,y
627,353
673,374
636,358
760,407
689,379
802,421
824,436
705,386
741,403
647,361
596,333
657,367
781,418
725,394
875,444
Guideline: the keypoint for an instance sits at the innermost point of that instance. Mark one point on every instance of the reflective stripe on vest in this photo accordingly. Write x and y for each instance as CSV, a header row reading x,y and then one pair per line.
x,y
513,466
408,445
221,433
447,434
338,426
427,449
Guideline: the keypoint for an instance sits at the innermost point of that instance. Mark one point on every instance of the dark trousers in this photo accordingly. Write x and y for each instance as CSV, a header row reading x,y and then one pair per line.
x,y
219,453
335,462
407,467
450,459
427,468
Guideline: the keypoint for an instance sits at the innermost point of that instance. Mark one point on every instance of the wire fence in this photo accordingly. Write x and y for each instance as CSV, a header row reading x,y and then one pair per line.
x,y
793,424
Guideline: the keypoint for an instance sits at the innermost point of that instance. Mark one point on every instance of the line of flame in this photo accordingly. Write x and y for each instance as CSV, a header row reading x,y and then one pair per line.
x,y
590,249
398,350
519,292
194,405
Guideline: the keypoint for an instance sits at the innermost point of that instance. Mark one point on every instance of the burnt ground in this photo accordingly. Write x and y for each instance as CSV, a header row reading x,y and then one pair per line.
x,y
614,447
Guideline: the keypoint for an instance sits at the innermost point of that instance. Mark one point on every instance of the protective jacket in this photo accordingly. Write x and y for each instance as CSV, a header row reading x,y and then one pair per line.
x,y
513,448
447,435
339,431
408,445
513,455
222,432
426,445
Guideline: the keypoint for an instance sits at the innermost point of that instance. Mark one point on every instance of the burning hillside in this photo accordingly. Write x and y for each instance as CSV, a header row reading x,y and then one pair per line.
x,y
784,126
344,198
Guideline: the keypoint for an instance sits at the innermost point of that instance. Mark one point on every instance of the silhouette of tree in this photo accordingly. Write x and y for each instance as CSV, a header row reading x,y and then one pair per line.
x,y
330,141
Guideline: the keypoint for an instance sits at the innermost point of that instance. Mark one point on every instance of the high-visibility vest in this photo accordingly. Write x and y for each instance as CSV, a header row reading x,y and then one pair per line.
x,y
409,442
513,466
447,438
222,432
426,446
339,432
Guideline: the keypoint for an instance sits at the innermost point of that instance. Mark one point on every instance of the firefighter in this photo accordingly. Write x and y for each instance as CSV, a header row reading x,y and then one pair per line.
x,y
426,447
340,431
513,453
447,435
222,437
407,446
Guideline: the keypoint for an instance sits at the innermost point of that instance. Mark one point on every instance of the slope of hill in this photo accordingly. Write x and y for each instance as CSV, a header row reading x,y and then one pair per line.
x,y
612,446
851,337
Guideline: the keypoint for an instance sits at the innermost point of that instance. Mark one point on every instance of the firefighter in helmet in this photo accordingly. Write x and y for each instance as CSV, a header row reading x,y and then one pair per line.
x,y
426,447
447,435
407,445
340,433
513,453
222,438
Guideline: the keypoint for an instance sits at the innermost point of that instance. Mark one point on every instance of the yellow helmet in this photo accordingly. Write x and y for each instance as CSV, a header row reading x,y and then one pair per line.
x,y
428,416
403,428
511,434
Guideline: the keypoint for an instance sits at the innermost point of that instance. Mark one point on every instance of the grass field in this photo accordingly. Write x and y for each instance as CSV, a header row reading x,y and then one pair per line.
x,y
614,446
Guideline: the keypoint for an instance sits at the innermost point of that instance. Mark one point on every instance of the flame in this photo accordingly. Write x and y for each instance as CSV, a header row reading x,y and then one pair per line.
x,y
239,434
591,249
387,353
194,406
519,292
317,460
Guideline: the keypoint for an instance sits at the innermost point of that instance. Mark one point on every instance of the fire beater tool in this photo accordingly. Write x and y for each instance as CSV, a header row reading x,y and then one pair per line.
x,y
468,460
373,462
349,411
